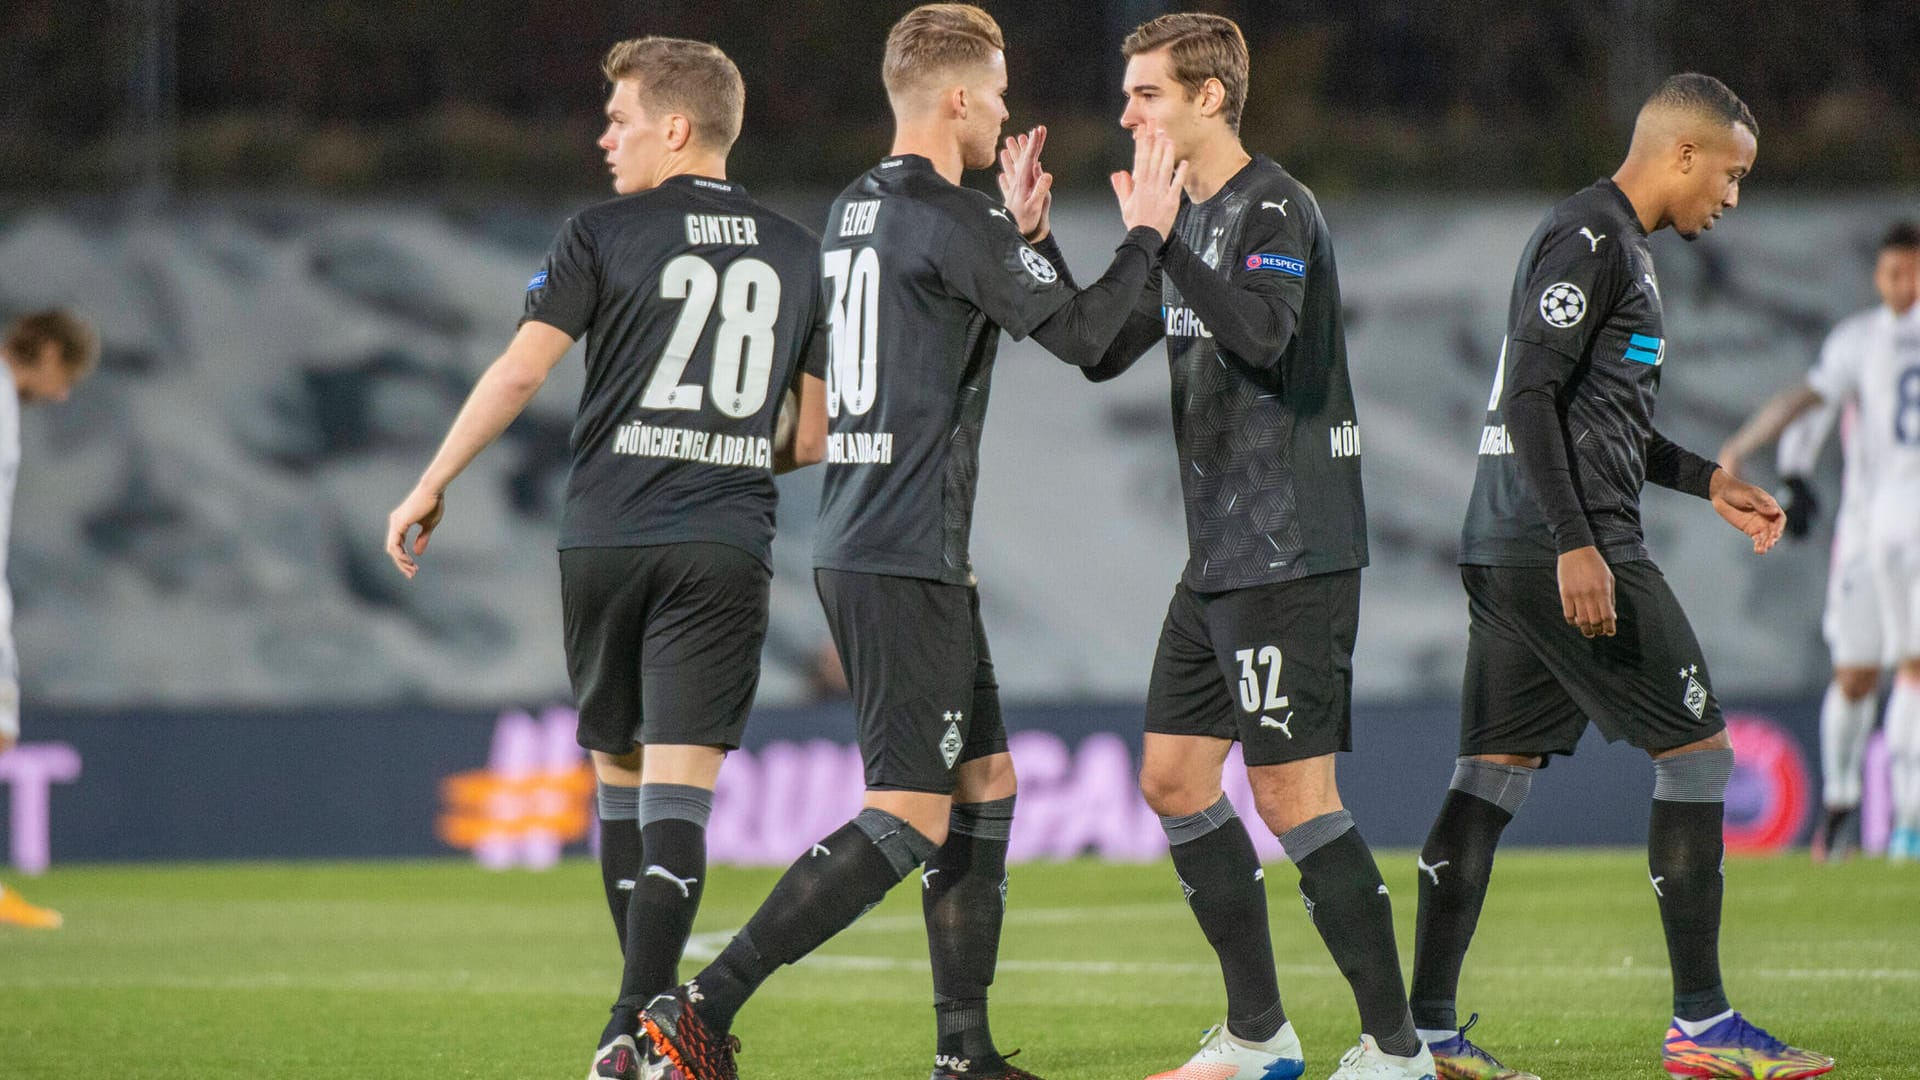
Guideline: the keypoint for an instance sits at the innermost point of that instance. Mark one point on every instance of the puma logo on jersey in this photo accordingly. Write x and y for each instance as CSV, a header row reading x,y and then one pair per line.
x,y
926,878
1001,214
1280,206
1656,885
1593,241
1431,871
683,884
1283,725
819,850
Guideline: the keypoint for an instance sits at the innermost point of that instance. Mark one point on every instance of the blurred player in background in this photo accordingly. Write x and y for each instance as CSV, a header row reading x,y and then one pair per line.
x,y
1569,620
1258,642
924,275
1869,367
46,354
701,309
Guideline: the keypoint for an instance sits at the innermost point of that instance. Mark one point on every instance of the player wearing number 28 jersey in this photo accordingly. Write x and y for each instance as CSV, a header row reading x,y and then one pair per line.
x,y
700,308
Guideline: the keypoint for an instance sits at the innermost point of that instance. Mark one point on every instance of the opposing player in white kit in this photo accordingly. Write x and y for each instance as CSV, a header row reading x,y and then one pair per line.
x,y
42,356
1870,369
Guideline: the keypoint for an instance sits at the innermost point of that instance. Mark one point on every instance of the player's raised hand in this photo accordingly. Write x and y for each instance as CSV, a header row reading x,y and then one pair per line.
x,y
1749,508
1150,194
1026,187
1586,592
420,508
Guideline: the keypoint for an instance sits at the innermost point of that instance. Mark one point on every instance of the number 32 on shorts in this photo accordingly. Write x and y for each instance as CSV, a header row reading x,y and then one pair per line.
x,y
1250,662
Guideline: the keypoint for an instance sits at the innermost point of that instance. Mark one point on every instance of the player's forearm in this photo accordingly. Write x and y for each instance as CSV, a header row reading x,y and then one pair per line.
x,y
1540,454
1766,425
1141,332
1673,466
1050,248
497,399
1081,331
1253,328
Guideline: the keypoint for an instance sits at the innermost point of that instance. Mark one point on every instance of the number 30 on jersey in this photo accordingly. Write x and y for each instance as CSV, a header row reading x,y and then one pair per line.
x,y
854,319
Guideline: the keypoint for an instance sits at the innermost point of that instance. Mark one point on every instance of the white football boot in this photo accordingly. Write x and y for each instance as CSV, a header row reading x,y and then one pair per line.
x,y
1368,1062
1223,1057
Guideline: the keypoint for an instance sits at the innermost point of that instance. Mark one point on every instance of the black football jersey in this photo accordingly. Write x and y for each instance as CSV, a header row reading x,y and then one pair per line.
x,y
1586,292
698,305
1269,453
921,275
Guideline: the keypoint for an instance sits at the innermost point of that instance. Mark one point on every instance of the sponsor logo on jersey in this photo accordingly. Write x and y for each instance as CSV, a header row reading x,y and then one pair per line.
x,y
1563,304
1285,264
1642,349
1494,441
1280,206
859,218
538,280
1346,439
1037,265
1593,239
1182,322
860,448
685,444
721,229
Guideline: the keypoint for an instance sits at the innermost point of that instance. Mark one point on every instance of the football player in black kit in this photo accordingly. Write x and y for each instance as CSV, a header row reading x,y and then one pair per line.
x,y
1258,641
702,313
922,276
1569,619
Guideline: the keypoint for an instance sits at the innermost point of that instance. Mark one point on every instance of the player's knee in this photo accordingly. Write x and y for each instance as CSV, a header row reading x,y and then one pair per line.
x,y
1174,792
1856,683
1284,811
1698,776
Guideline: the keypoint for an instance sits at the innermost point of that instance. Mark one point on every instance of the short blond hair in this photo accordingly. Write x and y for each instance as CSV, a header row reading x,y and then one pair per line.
x,y
936,38
1199,47
78,344
691,78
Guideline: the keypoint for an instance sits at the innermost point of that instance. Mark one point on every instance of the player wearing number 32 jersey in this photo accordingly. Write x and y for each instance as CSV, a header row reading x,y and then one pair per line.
x,y
700,309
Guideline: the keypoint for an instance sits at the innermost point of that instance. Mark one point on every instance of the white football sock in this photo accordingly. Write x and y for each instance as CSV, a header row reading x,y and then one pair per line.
x,y
1844,729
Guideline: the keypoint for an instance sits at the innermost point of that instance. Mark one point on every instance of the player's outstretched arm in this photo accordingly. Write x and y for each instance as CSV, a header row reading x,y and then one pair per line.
x,y
1083,329
1766,424
801,440
502,392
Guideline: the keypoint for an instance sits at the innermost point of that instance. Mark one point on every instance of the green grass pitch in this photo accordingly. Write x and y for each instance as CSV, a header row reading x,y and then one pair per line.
x,y
415,970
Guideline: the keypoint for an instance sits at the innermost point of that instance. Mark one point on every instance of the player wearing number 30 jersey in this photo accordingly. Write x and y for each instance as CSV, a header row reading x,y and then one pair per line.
x,y
700,309
921,277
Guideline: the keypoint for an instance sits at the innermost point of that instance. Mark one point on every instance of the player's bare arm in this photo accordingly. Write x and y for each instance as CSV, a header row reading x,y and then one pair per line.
x,y
500,395
800,438
1766,424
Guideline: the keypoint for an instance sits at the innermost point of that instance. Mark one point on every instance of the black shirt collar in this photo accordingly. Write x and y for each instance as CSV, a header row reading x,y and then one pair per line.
x,y
708,184
1626,205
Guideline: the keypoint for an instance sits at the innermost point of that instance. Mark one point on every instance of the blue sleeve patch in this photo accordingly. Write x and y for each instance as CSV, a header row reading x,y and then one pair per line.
x,y
1286,264
539,279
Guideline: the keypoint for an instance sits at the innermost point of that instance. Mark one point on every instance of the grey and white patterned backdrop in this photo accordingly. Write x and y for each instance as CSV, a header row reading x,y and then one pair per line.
x,y
201,523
